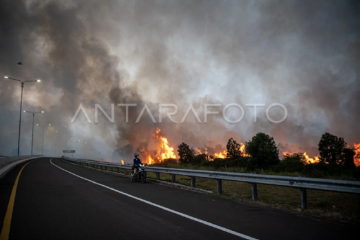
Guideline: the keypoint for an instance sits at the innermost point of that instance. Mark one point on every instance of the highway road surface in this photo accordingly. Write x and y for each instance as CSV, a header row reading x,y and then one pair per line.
x,y
57,200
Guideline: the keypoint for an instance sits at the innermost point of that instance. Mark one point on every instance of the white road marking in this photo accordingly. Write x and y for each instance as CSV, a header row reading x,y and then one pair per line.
x,y
164,208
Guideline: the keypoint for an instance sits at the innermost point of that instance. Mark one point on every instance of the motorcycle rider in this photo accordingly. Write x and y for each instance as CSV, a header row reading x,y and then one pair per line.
x,y
136,164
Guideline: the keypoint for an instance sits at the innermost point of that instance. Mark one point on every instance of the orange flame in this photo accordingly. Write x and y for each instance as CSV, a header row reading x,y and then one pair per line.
x,y
220,154
164,151
242,147
242,150
167,152
198,151
224,153
316,159
150,160
307,160
357,154
122,162
310,160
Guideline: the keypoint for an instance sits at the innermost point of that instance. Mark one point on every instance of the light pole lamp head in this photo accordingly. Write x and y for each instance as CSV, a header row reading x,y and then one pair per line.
x,y
24,111
42,111
38,80
6,77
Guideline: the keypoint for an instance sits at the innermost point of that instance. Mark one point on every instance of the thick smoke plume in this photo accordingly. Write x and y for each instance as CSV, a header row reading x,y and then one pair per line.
x,y
302,54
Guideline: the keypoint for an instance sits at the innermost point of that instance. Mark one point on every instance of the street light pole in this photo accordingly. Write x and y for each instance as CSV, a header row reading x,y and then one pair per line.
x,y
22,87
32,134
42,145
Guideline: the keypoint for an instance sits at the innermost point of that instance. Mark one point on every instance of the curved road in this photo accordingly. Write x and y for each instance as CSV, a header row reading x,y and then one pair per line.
x,y
52,203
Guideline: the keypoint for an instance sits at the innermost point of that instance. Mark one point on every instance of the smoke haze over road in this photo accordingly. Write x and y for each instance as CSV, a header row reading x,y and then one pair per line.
x,y
302,54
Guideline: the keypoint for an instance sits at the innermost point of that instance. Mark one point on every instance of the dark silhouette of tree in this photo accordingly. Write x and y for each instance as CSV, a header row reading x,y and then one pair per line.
x,y
233,149
331,149
200,158
185,153
294,162
263,151
349,158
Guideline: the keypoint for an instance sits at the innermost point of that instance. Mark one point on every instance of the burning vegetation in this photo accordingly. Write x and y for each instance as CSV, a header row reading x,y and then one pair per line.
x,y
316,159
357,154
220,154
306,159
163,150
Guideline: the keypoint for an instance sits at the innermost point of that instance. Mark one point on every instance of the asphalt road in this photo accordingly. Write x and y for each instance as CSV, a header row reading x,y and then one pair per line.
x,y
51,203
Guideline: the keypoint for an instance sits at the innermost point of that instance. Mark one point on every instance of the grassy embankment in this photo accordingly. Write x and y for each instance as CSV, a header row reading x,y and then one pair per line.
x,y
332,205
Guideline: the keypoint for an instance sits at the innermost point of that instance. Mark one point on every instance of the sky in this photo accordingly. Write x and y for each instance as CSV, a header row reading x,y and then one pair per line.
x,y
303,55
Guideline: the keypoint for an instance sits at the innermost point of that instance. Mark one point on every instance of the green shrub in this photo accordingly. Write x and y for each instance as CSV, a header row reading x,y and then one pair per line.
x,y
291,163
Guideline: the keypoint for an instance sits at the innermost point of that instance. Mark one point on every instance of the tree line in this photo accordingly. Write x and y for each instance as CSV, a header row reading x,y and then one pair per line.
x,y
261,152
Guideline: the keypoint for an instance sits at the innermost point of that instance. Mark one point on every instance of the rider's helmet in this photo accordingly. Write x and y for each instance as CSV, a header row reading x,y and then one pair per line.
x,y
136,155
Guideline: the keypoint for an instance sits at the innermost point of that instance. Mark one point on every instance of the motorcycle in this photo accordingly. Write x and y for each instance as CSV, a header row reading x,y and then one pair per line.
x,y
140,176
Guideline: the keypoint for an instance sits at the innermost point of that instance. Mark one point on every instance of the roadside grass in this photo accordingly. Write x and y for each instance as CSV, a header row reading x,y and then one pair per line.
x,y
312,174
336,206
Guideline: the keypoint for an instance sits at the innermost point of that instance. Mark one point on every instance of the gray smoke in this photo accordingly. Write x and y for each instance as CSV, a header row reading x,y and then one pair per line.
x,y
303,54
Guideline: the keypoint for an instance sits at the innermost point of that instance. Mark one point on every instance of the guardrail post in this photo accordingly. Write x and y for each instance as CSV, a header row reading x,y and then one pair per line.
x,y
254,191
157,176
359,207
173,178
219,186
192,181
303,198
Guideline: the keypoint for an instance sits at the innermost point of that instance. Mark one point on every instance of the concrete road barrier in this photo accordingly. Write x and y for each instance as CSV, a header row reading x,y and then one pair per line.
x,y
6,164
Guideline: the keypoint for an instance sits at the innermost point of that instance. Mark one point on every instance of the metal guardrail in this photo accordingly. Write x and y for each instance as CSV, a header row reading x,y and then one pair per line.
x,y
302,183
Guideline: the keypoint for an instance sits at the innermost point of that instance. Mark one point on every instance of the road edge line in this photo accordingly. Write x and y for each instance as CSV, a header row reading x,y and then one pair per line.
x,y
5,232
